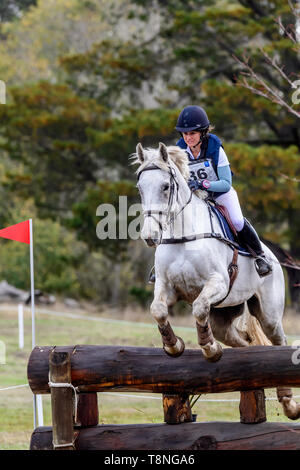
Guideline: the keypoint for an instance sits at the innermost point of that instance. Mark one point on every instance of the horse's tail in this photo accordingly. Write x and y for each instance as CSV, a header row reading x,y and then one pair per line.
x,y
250,325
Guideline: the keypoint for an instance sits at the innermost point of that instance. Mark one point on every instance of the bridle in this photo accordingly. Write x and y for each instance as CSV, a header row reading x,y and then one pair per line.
x,y
173,193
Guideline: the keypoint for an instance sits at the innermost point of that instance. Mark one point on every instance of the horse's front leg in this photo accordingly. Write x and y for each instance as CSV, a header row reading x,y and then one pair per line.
x,y
172,344
213,291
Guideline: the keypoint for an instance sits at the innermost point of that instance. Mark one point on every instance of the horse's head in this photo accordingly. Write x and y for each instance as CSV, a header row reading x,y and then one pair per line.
x,y
162,183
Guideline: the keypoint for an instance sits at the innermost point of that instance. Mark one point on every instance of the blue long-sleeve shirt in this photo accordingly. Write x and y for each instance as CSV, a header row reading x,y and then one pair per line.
x,y
225,180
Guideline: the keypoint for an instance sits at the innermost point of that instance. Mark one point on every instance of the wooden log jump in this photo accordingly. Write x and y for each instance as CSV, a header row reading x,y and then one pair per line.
x,y
73,375
102,368
186,436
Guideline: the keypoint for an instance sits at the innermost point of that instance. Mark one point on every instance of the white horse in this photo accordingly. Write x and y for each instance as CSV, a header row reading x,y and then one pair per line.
x,y
191,265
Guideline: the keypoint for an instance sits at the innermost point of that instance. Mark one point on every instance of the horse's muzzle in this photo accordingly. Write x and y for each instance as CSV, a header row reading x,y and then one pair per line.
x,y
152,241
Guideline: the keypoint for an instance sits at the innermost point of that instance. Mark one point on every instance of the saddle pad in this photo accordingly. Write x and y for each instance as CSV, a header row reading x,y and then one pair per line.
x,y
227,232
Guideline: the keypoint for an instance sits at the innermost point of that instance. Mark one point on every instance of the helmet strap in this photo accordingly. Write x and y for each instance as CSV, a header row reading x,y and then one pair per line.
x,y
202,137
200,142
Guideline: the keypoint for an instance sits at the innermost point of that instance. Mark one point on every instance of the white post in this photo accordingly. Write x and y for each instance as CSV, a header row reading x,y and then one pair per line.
x,y
40,410
21,326
37,399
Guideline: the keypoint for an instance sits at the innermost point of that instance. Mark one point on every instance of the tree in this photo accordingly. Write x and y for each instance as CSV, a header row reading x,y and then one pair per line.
x,y
269,195
86,217
277,87
38,38
46,130
13,8
58,255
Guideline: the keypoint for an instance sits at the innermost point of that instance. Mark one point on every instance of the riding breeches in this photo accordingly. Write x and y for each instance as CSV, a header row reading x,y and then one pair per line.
x,y
231,201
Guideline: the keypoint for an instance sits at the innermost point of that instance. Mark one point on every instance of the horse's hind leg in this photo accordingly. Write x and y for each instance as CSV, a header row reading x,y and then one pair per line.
x,y
271,324
222,323
172,344
213,291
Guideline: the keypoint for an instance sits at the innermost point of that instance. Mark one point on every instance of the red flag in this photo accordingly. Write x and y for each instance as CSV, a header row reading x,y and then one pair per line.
x,y
18,232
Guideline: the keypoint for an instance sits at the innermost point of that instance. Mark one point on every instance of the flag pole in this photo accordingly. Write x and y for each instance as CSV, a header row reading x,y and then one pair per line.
x,y
32,284
23,232
32,309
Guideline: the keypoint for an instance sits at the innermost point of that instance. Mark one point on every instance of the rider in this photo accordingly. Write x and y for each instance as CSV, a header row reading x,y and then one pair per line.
x,y
210,171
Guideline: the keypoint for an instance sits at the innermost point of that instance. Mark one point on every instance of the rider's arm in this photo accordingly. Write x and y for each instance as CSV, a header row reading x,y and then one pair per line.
x,y
225,179
224,174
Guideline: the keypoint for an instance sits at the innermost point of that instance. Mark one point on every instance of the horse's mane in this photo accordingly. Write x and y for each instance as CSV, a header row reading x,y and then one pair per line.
x,y
177,155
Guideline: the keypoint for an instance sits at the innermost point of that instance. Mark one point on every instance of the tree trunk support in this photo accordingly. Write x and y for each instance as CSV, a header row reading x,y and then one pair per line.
x,y
177,408
87,410
253,406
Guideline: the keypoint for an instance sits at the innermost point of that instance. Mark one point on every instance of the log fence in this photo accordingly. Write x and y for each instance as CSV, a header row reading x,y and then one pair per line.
x,y
75,374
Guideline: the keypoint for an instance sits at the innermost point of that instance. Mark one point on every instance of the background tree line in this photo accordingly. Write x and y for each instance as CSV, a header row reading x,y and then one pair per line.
x,y
87,80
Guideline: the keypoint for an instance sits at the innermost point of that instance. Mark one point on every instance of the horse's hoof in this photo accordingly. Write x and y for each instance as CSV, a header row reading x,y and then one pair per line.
x,y
214,354
291,408
176,350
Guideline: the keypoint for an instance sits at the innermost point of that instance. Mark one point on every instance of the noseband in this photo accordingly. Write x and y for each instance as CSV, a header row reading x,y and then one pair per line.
x,y
173,185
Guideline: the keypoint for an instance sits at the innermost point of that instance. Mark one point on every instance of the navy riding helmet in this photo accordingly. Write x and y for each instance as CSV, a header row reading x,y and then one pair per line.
x,y
192,118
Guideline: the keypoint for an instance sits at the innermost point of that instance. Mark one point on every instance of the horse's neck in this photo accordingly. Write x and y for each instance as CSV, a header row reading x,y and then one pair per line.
x,y
198,216
194,219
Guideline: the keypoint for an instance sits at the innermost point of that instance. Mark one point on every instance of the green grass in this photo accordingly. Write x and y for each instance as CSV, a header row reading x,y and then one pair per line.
x,y
16,405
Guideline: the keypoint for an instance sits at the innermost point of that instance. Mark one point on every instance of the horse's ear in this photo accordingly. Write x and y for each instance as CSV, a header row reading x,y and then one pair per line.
x,y
140,152
163,152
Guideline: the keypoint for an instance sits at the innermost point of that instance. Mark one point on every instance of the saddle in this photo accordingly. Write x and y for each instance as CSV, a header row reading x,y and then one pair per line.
x,y
229,232
224,212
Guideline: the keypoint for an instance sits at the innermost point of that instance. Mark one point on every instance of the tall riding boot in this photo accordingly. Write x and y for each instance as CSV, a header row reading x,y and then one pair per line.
x,y
250,240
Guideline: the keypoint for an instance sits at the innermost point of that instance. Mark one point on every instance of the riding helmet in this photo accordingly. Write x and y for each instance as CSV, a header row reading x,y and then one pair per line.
x,y
192,118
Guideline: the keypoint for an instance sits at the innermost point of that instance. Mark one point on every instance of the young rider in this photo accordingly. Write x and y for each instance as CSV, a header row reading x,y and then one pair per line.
x,y
210,171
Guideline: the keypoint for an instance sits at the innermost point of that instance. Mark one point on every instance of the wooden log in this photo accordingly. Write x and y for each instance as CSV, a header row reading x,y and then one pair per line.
x,y
177,409
87,410
61,399
187,436
253,407
101,368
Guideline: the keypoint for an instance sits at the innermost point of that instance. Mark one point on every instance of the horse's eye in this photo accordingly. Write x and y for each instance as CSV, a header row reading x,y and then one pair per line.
x,y
166,187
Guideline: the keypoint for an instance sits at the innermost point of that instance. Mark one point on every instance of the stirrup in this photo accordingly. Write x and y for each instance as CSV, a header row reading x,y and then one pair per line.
x,y
262,267
151,279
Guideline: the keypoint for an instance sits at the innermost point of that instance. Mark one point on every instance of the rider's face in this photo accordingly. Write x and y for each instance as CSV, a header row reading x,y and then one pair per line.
x,y
191,138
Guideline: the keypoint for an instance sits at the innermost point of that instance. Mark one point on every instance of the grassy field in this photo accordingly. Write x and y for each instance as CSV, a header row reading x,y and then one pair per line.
x,y
91,327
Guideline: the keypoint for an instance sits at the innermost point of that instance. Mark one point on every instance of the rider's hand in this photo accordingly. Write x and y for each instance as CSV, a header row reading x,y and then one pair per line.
x,y
194,185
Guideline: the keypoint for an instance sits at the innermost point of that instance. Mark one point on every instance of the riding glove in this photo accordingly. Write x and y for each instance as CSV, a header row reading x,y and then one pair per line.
x,y
194,185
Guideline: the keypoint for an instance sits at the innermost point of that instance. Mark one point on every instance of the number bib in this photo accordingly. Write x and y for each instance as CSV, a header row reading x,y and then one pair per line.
x,y
203,170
